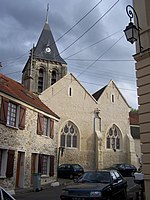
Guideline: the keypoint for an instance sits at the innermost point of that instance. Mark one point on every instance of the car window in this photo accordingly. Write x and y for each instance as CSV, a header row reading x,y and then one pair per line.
x,y
127,166
122,166
76,166
96,177
113,176
117,175
62,166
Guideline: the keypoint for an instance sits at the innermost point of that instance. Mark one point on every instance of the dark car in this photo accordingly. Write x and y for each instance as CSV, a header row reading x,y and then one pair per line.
x,y
97,185
69,171
125,169
4,195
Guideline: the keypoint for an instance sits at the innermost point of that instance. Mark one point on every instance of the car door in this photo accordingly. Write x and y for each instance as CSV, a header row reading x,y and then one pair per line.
x,y
122,184
115,185
61,171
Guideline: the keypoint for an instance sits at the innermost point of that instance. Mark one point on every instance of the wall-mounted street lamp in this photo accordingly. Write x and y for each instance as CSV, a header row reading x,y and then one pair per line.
x,y
132,32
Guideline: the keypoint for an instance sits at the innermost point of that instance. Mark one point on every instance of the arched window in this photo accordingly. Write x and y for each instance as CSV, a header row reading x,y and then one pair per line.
x,y
69,135
41,80
54,77
113,140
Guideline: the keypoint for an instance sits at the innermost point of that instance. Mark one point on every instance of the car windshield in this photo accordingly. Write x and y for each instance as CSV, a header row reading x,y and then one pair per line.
x,y
95,177
75,166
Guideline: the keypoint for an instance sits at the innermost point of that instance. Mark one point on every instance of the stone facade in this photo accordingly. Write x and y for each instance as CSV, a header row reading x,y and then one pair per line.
x,y
93,120
25,143
114,110
77,108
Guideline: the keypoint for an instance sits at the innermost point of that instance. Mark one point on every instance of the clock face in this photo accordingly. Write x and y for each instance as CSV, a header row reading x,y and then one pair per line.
x,y
48,50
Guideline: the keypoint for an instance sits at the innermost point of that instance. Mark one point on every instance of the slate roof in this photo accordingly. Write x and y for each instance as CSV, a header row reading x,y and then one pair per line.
x,y
18,91
97,94
46,40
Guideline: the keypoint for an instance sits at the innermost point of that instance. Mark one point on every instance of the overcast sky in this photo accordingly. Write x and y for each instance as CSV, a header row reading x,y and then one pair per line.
x,y
95,50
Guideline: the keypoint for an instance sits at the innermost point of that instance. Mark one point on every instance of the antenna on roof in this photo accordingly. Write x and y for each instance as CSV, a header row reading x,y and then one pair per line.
x,y
47,13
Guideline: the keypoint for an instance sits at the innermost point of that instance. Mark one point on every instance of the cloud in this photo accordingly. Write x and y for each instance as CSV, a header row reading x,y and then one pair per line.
x,y
21,24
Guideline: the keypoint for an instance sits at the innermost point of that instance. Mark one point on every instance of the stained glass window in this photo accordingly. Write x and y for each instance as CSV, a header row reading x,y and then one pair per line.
x,y
69,135
113,138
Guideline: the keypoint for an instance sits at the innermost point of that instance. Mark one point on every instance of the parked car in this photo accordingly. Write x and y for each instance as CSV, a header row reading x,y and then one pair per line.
x,y
4,195
125,169
69,171
104,184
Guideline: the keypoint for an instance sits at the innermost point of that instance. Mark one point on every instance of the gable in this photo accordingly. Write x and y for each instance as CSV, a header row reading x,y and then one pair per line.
x,y
112,92
65,84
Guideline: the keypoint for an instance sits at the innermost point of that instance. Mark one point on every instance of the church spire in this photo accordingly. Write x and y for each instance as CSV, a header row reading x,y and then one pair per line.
x,y
47,13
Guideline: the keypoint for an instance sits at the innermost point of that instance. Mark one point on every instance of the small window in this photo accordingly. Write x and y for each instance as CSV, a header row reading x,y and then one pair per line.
x,y
41,80
12,114
112,98
70,92
54,77
45,126
45,164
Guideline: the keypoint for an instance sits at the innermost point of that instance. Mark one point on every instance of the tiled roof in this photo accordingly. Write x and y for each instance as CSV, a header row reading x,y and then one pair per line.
x,y
18,91
134,118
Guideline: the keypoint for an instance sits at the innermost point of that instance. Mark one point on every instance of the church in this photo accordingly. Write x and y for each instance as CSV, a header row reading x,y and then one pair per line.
x,y
52,119
94,130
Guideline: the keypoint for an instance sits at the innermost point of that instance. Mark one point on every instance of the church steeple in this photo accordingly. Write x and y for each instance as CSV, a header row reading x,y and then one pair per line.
x,y
46,47
45,65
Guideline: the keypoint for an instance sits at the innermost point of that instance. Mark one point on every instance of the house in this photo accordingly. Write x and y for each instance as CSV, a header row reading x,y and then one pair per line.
x,y
28,137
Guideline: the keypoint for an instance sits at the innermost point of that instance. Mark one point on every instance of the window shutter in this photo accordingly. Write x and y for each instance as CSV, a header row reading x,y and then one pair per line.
x,y
51,128
10,163
4,110
51,171
22,117
40,124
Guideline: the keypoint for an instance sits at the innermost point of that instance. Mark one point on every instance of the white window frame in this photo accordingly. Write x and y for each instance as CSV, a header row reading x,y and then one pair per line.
x,y
16,115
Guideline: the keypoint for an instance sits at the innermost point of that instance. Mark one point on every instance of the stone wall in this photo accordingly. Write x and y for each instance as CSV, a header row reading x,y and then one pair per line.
x,y
26,141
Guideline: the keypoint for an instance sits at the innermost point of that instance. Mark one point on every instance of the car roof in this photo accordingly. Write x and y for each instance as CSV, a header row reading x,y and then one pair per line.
x,y
102,170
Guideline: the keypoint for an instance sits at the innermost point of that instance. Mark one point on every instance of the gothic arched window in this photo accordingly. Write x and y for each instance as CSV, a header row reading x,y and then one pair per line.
x,y
54,77
113,139
41,80
69,135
